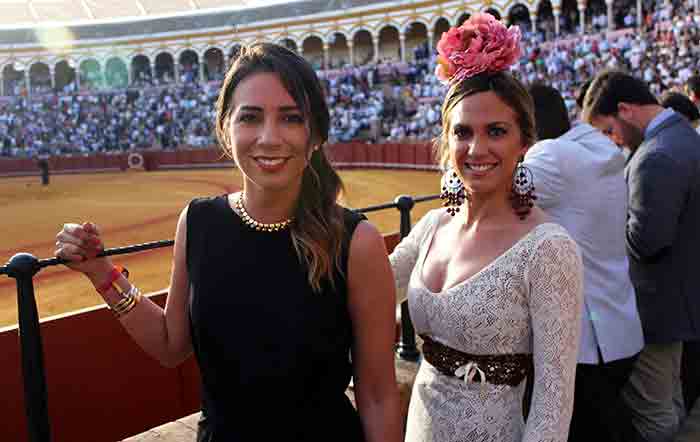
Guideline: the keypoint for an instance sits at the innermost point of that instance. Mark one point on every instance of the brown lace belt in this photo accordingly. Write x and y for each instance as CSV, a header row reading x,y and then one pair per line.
x,y
506,369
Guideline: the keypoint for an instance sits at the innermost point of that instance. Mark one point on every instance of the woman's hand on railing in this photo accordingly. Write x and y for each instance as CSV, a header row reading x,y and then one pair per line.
x,y
79,244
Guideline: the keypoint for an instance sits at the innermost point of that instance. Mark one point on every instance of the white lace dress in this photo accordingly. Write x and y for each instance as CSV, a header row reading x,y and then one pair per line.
x,y
528,300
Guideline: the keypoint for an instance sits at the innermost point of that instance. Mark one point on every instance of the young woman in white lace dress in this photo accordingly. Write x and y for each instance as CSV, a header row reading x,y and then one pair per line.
x,y
494,289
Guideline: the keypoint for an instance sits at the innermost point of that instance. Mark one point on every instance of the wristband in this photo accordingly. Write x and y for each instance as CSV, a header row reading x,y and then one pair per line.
x,y
113,276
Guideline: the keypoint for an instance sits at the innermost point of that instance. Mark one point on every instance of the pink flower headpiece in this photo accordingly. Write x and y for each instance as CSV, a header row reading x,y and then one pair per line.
x,y
480,44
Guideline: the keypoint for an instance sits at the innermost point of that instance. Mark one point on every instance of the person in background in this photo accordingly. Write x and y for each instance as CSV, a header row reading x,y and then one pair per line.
x,y
274,287
579,177
692,88
663,178
682,105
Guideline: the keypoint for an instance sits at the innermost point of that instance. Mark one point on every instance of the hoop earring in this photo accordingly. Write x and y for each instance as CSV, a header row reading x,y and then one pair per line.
x,y
523,190
452,191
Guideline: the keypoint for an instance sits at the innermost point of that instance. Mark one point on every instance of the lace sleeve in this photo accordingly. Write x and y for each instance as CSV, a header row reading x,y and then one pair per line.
x,y
555,276
405,255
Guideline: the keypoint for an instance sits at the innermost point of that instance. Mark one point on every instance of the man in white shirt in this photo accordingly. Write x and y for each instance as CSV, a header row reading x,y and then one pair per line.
x,y
580,184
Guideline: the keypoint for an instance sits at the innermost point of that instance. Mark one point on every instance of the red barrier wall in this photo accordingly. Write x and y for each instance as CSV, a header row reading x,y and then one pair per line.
x,y
101,385
345,155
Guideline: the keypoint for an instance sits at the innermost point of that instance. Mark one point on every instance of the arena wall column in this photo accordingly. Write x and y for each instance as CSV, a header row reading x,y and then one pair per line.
x,y
351,52
611,21
402,42
582,16
640,18
431,36
556,10
326,55
375,42
533,20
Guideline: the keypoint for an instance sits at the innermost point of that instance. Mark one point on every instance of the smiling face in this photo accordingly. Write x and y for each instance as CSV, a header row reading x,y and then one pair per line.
x,y
269,134
485,143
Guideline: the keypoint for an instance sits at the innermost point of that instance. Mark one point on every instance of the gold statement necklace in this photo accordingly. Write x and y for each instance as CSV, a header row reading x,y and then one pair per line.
x,y
253,224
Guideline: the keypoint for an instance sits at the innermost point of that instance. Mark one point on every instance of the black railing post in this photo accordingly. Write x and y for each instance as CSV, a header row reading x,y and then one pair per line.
x,y
406,348
23,267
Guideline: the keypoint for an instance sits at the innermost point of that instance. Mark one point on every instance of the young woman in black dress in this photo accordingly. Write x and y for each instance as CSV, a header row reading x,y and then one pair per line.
x,y
281,293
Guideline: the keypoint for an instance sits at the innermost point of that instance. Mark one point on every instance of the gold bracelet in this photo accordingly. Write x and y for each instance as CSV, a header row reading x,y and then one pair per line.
x,y
122,306
121,312
133,298
125,300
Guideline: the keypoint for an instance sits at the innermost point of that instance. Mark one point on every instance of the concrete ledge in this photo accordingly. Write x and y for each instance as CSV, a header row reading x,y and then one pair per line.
x,y
181,430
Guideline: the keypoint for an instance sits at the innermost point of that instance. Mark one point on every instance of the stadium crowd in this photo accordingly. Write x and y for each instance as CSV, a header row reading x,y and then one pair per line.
x,y
387,101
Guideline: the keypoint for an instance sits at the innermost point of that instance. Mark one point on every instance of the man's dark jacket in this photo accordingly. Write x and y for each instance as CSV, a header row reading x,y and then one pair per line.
x,y
663,231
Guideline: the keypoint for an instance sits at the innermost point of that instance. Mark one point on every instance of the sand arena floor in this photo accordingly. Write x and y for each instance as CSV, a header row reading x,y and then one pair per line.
x,y
136,207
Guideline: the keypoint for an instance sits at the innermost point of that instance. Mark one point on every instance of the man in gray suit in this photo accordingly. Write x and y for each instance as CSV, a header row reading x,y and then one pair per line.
x,y
663,240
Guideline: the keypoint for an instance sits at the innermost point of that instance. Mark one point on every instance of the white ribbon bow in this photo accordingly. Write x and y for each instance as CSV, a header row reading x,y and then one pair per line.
x,y
469,371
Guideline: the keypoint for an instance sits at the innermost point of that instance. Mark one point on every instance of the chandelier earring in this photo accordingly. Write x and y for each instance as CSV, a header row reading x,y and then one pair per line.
x,y
452,191
523,190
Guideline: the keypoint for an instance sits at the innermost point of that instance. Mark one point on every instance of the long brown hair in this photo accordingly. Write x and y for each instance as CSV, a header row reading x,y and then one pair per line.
x,y
318,228
507,88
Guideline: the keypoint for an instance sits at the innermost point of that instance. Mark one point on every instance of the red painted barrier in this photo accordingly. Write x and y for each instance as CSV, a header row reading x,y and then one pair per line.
x,y
167,159
339,153
100,384
375,154
20,165
424,155
389,155
360,156
407,156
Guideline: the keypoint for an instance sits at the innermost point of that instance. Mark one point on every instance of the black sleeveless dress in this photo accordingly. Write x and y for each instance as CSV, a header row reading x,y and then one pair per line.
x,y
274,356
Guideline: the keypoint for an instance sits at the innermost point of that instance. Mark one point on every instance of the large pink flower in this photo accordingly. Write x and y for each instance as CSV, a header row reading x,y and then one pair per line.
x,y
480,44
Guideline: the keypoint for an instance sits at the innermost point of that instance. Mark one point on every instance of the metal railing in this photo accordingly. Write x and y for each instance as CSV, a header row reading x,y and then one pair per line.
x,y
24,266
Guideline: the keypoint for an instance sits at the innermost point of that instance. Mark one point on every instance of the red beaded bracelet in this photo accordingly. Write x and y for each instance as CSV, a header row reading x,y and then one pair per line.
x,y
113,276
